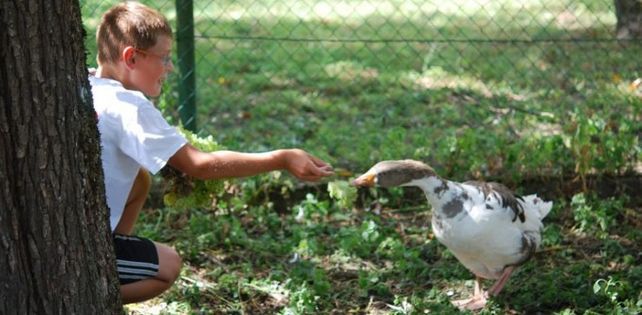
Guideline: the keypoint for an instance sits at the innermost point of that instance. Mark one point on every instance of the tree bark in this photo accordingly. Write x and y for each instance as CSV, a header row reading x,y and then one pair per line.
x,y
629,19
56,254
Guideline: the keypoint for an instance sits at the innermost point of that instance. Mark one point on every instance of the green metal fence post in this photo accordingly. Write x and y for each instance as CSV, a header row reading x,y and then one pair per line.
x,y
186,65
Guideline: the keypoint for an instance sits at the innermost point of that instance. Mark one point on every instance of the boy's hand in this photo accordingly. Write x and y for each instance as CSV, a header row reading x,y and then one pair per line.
x,y
305,166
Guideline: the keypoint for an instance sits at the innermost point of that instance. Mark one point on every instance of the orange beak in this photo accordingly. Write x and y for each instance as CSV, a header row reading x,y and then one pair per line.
x,y
365,180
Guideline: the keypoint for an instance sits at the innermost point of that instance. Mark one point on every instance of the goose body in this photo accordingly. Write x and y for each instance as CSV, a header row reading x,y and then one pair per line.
x,y
486,227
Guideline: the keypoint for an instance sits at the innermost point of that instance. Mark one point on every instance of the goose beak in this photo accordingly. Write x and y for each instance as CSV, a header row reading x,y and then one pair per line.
x,y
365,180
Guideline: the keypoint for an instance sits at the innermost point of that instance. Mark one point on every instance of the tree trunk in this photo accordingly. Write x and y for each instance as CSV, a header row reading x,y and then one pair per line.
x,y
56,254
629,19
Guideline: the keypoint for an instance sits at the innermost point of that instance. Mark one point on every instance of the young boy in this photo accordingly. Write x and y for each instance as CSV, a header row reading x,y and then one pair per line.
x,y
134,45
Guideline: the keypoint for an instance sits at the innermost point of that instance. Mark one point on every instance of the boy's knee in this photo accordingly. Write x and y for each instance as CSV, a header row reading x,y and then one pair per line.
x,y
170,263
176,263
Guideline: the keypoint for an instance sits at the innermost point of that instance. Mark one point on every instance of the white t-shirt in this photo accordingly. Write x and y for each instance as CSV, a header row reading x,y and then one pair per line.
x,y
133,134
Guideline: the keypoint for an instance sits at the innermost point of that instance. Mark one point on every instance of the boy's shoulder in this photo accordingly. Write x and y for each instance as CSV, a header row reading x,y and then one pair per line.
x,y
107,93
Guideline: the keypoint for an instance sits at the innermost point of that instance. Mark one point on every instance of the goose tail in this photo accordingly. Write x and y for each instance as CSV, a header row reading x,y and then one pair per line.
x,y
540,206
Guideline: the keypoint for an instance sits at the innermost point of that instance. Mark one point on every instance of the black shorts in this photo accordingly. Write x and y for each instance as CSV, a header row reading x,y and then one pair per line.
x,y
136,257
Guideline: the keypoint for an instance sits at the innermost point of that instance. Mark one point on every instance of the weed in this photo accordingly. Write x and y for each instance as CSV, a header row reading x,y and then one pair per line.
x,y
593,215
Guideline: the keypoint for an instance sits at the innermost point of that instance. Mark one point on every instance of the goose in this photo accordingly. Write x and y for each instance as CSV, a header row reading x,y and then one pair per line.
x,y
490,230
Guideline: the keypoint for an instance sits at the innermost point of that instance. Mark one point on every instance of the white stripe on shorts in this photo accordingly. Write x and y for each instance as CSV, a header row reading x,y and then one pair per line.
x,y
136,264
137,271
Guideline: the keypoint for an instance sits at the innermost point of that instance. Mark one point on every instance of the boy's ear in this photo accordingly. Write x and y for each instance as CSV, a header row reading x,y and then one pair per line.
x,y
129,56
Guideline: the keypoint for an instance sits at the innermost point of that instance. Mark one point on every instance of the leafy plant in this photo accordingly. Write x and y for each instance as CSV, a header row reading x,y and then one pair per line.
x,y
182,191
302,301
343,193
594,215
310,210
610,288
614,291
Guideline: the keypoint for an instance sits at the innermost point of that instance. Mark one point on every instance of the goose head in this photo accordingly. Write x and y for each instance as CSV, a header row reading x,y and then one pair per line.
x,y
394,173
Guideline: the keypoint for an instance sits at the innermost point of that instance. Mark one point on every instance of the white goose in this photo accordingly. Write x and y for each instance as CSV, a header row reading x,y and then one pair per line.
x,y
487,227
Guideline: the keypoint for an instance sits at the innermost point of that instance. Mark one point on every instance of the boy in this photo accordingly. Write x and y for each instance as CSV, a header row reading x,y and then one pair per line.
x,y
134,44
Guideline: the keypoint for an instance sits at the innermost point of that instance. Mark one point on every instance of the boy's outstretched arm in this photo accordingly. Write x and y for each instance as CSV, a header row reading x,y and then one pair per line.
x,y
226,164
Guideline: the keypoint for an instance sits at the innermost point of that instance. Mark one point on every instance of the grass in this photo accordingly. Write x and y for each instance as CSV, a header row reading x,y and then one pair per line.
x,y
534,95
320,258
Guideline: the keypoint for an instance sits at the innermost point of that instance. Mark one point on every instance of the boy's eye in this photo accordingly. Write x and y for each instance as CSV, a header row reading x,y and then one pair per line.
x,y
165,59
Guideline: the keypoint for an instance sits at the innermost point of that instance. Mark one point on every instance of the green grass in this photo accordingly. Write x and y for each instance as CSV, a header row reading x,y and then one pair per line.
x,y
537,96
321,258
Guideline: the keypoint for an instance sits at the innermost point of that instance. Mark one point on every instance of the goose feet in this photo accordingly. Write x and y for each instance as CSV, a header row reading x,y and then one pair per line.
x,y
480,297
478,300
474,303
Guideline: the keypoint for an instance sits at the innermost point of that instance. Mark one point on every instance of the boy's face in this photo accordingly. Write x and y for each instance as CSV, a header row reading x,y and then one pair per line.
x,y
152,67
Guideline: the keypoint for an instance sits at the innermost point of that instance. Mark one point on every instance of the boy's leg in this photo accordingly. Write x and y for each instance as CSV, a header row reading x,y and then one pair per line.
x,y
169,268
135,202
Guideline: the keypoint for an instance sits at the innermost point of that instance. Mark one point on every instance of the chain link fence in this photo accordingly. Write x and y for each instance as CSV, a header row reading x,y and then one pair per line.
x,y
534,47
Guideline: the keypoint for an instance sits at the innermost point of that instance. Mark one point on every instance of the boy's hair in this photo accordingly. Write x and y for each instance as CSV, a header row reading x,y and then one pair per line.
x,y
128,24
